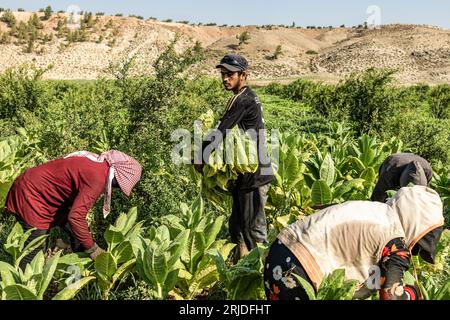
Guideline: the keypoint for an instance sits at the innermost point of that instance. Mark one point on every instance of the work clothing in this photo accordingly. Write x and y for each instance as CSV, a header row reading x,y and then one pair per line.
x,y
399,170
248,221
353,235
61,193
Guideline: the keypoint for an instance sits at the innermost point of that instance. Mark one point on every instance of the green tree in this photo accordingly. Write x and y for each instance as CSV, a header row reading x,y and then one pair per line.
x,y
278,52
48,13
244,38
9,18
34,22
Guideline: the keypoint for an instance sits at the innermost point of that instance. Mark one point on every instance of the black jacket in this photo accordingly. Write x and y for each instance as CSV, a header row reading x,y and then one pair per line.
x,y
244,110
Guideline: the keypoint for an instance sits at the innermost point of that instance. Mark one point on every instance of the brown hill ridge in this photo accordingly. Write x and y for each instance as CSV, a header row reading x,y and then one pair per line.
x,y
419,53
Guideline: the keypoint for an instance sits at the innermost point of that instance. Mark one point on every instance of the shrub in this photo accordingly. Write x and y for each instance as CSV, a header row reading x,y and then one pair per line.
x,y
367,99
439,100
422,134
9,18
244,38
5,38
48,12
30,46
137,17
278,52
34,22
20,89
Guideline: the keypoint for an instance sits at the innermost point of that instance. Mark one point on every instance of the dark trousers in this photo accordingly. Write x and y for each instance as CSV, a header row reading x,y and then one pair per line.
x,y
248,219
279,282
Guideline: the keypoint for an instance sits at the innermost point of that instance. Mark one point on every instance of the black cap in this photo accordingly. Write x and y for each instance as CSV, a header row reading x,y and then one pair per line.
x,y
233,62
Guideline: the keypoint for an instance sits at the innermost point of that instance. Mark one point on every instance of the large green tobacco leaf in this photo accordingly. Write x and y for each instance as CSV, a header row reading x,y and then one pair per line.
x,y
79,258
176,248
8,274
113,237
356,164
309,289
369,175
123,252
159,262
320,193
366,145
335,287
155,265
18,292
71,290
15,243
105,264
47,274
347,186
122,270
195,248
213,230
327,170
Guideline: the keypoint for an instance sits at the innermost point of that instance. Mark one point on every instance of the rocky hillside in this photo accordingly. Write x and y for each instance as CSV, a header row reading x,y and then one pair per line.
x,y
419,53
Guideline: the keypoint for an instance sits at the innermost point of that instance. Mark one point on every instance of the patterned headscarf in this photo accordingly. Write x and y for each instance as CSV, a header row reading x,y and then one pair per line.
x,y
124,168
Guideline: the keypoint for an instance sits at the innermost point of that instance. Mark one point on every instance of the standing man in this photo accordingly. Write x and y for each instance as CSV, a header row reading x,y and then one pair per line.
x,y
247,224
61,193
399,170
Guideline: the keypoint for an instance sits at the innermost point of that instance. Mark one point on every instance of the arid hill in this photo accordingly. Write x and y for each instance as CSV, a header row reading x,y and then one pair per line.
x,y
419,53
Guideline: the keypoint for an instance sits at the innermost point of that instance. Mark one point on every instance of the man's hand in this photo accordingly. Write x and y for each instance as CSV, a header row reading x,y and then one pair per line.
x,y
95,251
199,168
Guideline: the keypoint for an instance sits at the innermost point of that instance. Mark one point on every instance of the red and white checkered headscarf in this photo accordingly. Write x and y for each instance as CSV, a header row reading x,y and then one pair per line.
x,y
124,168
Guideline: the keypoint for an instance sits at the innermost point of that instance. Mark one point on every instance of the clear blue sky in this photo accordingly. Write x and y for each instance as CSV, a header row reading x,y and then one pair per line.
x,y
248,12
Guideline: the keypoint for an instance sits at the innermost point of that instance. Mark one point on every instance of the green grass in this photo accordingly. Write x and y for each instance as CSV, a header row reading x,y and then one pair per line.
x,y
281,113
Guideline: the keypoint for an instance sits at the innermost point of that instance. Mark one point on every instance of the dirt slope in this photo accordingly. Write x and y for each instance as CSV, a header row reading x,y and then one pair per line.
x,y
419,53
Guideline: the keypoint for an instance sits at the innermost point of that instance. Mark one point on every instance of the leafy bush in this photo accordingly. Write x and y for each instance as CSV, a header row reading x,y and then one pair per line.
x,y
199,270
20,89
243,281
9,18
123,246
424,135
158,261
48,12
278,52
244,38
18,152
333,287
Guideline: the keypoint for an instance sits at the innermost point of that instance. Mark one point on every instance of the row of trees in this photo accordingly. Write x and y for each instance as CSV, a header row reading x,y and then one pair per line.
x,y
48,12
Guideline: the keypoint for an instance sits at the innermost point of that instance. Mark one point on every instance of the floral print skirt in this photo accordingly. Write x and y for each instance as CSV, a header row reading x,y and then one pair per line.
x,y
279,281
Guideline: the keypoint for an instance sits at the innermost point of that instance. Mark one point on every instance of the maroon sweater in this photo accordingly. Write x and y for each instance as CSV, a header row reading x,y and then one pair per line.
x,y
57,192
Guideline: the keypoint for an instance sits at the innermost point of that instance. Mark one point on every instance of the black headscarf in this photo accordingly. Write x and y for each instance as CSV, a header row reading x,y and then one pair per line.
x,y
426,246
